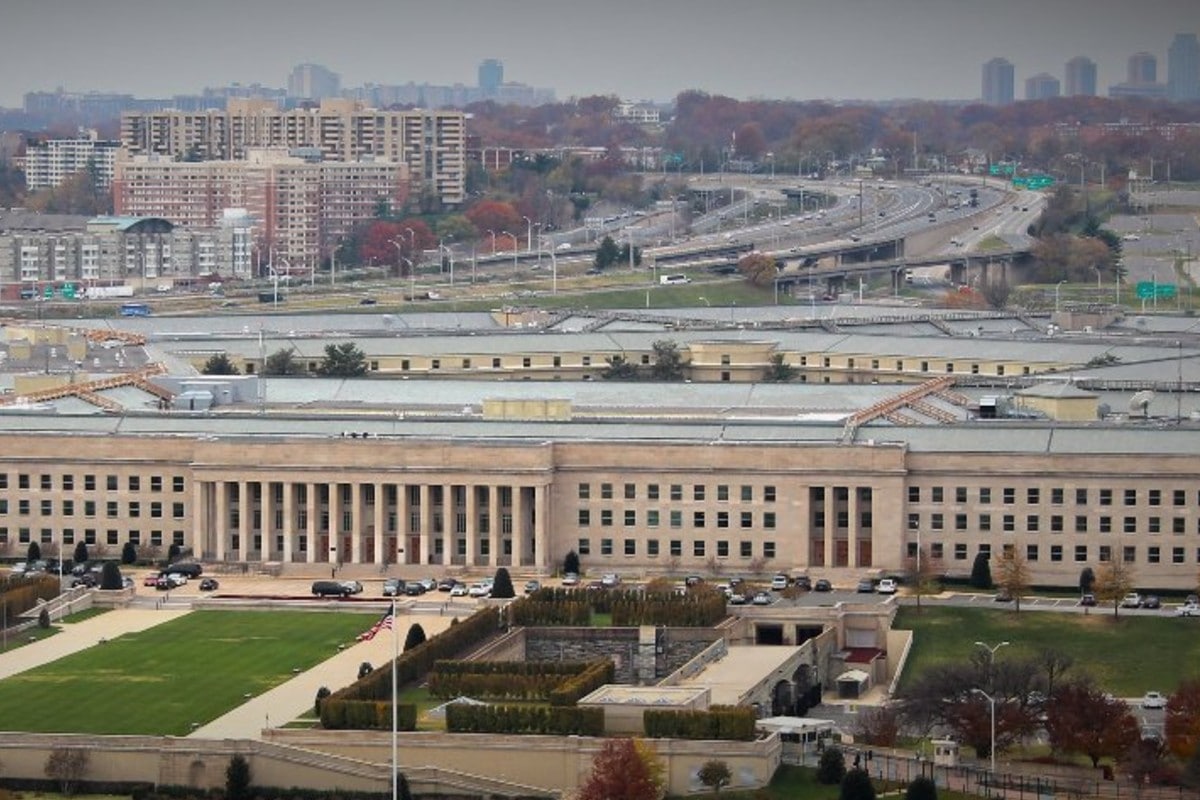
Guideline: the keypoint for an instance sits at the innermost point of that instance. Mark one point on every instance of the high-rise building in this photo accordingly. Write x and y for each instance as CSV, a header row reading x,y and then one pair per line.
x,y
48,164
998,82
431,143
1041,87
1183,68
313,82
1081,77
491,76
1143,68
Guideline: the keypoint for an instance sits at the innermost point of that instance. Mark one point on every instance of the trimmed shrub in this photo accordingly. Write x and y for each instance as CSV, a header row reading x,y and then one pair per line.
x,y
731,723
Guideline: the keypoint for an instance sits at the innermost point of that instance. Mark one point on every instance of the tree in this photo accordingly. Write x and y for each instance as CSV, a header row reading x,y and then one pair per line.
x,y
81,552
1113,582
879,726
1183,719
857,786
607,254
832,766
668,362
43,620
33,553
981,572
67,766
1190,777
758,268
365,669
623,256
502,585
173,553
779,371
1013,576
415,637
619,772
922,576
571,562
237,778
1087,579
921,788
322,693
715,775
129,553
110,576
343,361
219,364
403,792
282,362
618,369
1082,719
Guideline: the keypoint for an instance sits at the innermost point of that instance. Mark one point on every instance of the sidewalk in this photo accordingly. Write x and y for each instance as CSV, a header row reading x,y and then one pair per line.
x,y
295,697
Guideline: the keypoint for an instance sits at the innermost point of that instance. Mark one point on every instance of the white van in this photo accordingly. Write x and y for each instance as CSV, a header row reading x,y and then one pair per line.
x,y
670,280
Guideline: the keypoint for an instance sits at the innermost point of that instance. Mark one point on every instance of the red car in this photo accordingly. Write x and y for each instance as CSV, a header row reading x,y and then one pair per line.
x,y
150,580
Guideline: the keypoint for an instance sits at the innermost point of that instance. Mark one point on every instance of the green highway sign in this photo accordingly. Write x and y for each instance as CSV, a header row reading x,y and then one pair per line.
x,y
68,291
1149,290
48,293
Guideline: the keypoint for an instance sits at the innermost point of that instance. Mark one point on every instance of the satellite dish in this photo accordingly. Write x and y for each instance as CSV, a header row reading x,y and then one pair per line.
x,y
1140,402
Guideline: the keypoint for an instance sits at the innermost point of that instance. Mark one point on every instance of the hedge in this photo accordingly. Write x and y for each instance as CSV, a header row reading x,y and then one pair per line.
x,y
719,722
556,721
501,680
569,692
628,607
22,593
338,714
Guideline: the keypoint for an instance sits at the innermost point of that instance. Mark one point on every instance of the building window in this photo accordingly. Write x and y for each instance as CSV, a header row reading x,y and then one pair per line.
x,y
676,548
1081,497
1154,497
747,494
585,518
652,518
677,491
722,493
697,519
606,518
1129,554
652,548
1010,496
985,495
606,547
1081,523
585,491
630,491
1130,525
1031,552
768,494
1033,523
936,495
960,522
746,549
960,494
606,491
698,548
1056,553
631,547
722,549
768,549
935,522
1131,497
676,519
630,518
177,483
111,482
960,551
584,547
652,491
1152,554
698,492
722,519
747,519
1105,525
914,494
768,520
1106,497
1154,524
1178,497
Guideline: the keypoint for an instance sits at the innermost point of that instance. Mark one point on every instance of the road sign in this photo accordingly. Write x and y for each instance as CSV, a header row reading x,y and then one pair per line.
x,y
48,293
1148,290
68,291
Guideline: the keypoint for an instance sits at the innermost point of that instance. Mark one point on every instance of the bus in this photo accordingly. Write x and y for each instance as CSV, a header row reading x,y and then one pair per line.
x,y
135,310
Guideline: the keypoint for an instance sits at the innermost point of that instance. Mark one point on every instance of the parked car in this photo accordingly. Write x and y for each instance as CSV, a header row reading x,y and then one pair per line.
x,y
429,584
1154,700
1194,599
822,585
886,586
209,585
414,589
1151,601
865,586
1132,600
393,587
150,580
611,580
478,590
532,586
446,584
459,590
330,588
693,580
1003,596
803,583
88,580
737,599
126,582
1188,610
761,599
352,587
179,578
779,583
570,579
1087,600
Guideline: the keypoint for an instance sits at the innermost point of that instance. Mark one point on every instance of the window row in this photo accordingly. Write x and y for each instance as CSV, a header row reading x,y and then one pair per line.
x,y
1056,496
112,508
91,536
653,518
1055,523
1080,553
699,548
676,491
899,365
112,483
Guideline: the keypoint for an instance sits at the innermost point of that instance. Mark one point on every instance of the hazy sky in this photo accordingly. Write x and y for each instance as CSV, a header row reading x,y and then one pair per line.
x,y
637,49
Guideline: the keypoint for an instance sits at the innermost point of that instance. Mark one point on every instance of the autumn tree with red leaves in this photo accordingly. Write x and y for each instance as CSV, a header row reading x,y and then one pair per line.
x,y
494,215
386,242
621,771
1082,719
1183,719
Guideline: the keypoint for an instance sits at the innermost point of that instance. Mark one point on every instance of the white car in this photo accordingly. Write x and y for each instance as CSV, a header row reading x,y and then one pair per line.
x,y
1154,700
1188,610
886,586
479,590
1132,600
570,579
779,583
459,590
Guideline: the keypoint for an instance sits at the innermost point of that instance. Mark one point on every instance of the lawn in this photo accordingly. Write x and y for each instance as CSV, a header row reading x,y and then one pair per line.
x,y
159,681
1127,656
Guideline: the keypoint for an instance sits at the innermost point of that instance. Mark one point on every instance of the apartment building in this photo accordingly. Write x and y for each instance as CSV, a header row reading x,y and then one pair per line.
x,y
51,162
300,204
432,144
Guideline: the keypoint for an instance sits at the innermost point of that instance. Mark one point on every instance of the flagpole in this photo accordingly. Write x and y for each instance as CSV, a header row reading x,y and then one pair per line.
x,y
395,657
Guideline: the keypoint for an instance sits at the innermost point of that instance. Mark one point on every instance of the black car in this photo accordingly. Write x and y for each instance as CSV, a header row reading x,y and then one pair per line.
x,y
1087,600
87,579
822,585
209,585
414,589
1151,601
803,583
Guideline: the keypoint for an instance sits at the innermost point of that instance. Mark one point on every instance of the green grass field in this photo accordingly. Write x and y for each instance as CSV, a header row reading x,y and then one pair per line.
x,y
159,681
1127,656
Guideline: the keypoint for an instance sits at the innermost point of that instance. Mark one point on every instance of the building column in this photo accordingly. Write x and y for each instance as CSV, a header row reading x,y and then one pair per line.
x,y
472,533
379,519
541,514
356,522
852,526
222,526
267,529
493,525
447,517
426,522
803,510
245,520
335,523
201,535
310,507
518,524
402,527
289,520
830,524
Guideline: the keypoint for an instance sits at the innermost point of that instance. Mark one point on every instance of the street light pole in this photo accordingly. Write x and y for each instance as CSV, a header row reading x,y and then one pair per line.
x,y
1060,283
992,704
991,650
516,244
528,232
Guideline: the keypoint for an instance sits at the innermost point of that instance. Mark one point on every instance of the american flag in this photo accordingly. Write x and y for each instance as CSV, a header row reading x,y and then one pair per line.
x,y
384,624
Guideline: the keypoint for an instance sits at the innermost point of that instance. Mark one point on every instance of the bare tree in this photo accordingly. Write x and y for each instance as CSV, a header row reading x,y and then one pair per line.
x,y
922,577
67,766
1012,576
1114,581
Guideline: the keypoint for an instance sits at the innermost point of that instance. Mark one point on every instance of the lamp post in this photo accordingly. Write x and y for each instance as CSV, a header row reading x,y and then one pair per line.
x,y
412,278
516,244
492,233
449,255
1060,283
992,704
528,232
399,245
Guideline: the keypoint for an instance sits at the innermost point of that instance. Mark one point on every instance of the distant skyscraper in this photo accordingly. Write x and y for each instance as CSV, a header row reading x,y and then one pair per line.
x,y
1041,87
491,76
1081,77
998,82
1183,68
1143,68
313,82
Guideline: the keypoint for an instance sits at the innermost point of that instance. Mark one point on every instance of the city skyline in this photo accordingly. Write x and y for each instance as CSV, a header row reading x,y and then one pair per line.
x,y
802,49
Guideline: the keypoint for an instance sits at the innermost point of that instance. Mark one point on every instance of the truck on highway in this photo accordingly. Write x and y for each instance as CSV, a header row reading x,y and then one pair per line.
x,y
107,292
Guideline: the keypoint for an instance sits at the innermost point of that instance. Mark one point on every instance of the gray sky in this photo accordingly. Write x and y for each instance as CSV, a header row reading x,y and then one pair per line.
x,y
637,49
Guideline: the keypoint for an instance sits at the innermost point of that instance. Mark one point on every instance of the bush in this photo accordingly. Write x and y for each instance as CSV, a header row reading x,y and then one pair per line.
x,y
502,586
981,572
921,788
110,576
237,779
365,669
34,553
44,618
832,766
857,786
415,637
81,552
129,553
322,693
571,562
